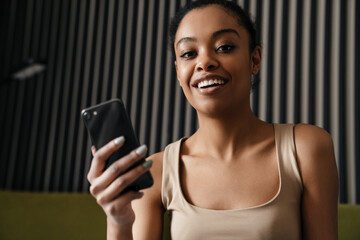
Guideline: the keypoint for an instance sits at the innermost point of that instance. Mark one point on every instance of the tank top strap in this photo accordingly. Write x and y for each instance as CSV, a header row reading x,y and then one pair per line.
x,y
286,154
170,174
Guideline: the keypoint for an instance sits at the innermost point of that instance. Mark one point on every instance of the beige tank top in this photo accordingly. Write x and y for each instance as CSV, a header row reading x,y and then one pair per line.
x,y
279,218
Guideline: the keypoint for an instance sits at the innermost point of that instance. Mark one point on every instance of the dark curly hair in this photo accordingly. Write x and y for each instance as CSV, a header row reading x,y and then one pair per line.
x,y
230,7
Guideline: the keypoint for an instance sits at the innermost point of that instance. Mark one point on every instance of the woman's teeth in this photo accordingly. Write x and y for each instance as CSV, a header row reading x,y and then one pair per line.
x,y
207,83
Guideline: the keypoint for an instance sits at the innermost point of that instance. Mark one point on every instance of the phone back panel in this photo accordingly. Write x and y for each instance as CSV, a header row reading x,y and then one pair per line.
x,y
107,121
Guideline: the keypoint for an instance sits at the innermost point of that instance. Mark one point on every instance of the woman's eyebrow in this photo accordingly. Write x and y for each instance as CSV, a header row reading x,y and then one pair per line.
x,y
214,35
226,30
186,39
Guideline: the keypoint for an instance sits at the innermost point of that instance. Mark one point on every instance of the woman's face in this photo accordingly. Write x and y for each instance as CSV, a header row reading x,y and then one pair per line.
x,y
213,60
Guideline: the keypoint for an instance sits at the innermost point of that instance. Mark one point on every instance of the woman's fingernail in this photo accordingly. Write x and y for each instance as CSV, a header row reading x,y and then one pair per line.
x,y
147,164
93,149
141,150
140,194
119,140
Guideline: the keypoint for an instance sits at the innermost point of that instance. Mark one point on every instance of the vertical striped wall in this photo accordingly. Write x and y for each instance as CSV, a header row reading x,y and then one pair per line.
x,y
98,49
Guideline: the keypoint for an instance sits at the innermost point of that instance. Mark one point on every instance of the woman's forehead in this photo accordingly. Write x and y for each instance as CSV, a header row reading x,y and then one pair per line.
x,y
206,20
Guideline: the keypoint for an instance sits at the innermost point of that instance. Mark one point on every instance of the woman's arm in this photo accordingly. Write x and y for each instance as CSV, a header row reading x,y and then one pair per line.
x,y
149,210
318,169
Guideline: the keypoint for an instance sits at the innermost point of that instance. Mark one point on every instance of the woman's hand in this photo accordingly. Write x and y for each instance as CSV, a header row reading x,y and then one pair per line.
x,y
107,185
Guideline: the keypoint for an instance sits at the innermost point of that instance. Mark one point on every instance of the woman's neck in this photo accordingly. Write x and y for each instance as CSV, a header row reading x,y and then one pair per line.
x,y
221,136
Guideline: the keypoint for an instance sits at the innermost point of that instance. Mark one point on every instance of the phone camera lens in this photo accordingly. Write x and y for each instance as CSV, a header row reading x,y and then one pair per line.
x,y
87,115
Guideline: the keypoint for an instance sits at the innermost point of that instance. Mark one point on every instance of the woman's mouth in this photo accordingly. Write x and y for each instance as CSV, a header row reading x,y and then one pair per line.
x,y
210,83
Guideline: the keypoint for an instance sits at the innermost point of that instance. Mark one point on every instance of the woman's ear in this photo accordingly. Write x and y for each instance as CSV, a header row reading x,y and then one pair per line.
x,y
255,60
176,68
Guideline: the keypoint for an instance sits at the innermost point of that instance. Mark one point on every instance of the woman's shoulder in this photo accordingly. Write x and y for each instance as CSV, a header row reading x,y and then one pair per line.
x,y
156,169
314,150
156,156
311,139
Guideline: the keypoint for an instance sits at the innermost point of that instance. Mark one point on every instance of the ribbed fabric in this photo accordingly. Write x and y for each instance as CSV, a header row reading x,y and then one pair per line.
x,y
279,218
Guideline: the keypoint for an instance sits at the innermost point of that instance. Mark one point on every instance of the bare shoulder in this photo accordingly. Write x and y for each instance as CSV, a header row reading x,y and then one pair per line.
x,y
315,155
313,144
157,159
156,172
311,138
156,156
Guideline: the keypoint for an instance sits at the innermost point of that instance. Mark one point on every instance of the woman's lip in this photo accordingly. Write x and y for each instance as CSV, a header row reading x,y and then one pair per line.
x,y
209,77
211,90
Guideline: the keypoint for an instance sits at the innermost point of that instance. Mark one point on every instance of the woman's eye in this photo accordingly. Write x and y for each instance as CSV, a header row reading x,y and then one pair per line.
x,y
225,48
187,54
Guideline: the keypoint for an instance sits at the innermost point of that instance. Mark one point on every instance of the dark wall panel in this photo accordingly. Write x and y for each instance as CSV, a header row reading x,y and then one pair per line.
x,y
95,50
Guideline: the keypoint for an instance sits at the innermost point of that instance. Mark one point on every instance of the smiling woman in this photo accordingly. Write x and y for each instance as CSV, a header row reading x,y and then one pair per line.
x,y
236,177
219,50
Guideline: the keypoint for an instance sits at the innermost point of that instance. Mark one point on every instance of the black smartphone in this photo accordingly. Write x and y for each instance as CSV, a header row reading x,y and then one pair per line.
x,y
109,120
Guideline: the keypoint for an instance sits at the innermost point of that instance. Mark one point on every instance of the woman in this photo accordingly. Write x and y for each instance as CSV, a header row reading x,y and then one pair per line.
x,y
236,177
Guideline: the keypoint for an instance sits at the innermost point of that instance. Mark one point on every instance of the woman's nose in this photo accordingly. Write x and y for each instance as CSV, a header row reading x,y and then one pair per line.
x,y
206,62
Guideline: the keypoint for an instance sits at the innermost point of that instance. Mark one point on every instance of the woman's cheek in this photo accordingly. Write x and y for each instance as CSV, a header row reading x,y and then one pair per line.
x,y
183,76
